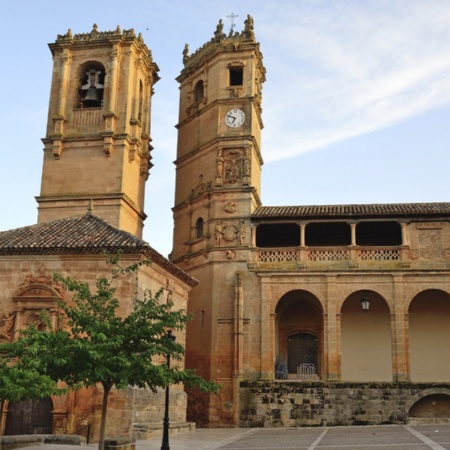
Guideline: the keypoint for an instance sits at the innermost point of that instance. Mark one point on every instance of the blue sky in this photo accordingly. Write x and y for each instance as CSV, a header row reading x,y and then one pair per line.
x,y
356,106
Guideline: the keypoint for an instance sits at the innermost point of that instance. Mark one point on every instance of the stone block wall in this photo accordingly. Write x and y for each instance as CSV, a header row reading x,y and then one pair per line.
x,y
293,404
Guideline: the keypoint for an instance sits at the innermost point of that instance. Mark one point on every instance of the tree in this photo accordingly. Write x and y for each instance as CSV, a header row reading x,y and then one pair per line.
x,y
98,346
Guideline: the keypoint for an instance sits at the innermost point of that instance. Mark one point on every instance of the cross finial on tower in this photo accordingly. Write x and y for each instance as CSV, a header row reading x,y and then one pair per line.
x,y
232,16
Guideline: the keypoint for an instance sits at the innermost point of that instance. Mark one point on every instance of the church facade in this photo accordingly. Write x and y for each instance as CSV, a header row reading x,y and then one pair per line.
x,y
306,315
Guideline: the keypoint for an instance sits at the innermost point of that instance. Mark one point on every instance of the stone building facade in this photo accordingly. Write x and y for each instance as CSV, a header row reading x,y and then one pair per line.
x,y
96,162
299,310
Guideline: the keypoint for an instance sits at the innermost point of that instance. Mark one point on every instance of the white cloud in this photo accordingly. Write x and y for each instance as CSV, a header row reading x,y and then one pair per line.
x,y
349,69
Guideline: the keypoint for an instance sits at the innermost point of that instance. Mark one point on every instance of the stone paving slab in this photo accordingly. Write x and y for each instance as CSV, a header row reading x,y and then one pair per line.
x,y
389,437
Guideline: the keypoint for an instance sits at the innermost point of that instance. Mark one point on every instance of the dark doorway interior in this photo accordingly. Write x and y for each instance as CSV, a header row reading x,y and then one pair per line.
x,y
302,348
30,417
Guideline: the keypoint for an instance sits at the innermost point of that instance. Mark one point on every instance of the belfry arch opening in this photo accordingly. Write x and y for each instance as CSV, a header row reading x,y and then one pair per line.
x,y
299,334
91,82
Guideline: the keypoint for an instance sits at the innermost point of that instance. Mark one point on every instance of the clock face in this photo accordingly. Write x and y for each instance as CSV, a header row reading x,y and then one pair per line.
x,y
235,118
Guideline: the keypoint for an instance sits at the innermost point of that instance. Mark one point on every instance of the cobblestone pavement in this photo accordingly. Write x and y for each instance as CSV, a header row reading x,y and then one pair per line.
x,y
389,437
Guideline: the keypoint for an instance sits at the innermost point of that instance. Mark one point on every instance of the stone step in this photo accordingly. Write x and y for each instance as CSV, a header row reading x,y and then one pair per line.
x,y
151,430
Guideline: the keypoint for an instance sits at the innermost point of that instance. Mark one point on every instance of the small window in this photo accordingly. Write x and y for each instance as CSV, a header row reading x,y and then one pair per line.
x,y
236,76
199,228
199,91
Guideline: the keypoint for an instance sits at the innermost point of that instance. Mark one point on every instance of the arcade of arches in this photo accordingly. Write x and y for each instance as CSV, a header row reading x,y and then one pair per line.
x,y
367,341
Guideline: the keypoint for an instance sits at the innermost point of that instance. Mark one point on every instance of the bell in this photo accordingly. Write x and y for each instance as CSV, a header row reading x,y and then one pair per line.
x,y
92,98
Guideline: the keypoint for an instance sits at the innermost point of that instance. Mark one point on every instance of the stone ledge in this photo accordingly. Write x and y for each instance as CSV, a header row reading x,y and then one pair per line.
x,y
120,443
27,440
143,431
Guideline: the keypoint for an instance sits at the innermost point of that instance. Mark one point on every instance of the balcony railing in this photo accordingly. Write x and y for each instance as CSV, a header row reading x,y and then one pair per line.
x,y
317,256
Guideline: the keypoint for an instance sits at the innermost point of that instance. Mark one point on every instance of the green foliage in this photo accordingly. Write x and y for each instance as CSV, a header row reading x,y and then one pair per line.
x,y
19,383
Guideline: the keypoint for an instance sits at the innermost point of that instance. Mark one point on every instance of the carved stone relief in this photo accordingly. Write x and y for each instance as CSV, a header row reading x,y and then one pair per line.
x,y
230,233
430,243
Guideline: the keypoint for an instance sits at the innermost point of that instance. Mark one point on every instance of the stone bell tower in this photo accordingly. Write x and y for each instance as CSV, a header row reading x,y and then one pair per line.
x,y
218,169
97,145
219,132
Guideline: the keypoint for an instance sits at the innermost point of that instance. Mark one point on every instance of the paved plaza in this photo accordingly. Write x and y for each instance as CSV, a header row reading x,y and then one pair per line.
x,y
388,437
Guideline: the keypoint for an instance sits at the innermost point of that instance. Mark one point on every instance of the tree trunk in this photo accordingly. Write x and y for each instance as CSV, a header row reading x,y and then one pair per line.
x,y
101,442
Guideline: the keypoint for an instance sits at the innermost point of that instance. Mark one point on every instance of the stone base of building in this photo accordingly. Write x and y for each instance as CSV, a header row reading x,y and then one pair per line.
x,y
294,404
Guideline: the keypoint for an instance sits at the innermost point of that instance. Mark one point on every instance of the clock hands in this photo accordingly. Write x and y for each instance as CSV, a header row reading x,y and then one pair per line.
x,y
231,117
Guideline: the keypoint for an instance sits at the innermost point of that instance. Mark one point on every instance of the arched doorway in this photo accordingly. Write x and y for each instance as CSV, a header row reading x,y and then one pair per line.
x,y
299,326
429,336
30,417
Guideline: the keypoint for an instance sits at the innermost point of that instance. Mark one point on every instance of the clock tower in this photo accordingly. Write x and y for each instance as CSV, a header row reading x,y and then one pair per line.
x,y
218,171
97,145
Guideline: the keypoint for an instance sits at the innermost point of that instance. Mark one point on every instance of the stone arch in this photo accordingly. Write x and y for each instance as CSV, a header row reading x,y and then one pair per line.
x,y
415,398
299,331
368,289
366,343
413,293
32,298
429,406
429,335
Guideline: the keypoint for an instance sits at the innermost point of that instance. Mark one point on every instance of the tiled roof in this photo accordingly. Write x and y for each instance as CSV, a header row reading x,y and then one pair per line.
x,y
81,235
405,210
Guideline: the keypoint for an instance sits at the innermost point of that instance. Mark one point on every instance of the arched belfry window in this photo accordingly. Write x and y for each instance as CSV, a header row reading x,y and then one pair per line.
x,y
199,91
91,85
199,228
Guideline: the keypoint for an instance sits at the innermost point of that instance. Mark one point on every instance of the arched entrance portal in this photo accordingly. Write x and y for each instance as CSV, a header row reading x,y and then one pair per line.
x,y
299,326
30,417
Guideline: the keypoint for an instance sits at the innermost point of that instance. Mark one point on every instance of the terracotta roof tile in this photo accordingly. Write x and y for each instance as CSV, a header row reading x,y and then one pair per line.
x,y
87,234
391,210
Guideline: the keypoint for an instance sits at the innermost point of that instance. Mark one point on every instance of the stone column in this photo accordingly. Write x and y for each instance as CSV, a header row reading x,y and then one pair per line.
x,y
405,240
266,331
331,333
399,333
65,59
302,234
115,54
353,233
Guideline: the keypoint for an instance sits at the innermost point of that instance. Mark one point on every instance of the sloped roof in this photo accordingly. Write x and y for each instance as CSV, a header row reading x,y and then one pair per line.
x,y
81,235
390,210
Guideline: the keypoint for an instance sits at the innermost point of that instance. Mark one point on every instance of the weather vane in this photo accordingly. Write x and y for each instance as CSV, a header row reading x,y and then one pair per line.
x,y
232,16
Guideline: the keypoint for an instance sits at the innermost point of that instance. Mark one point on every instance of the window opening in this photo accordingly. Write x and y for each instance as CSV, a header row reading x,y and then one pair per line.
x,y
379,233
199,91
278,235
199,228
236,76
328,234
